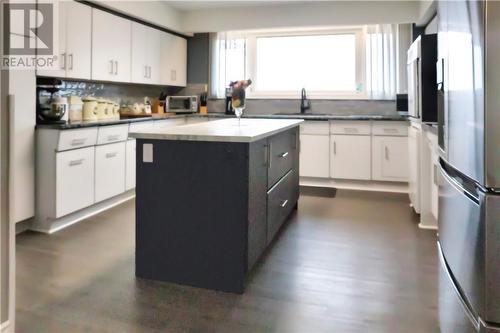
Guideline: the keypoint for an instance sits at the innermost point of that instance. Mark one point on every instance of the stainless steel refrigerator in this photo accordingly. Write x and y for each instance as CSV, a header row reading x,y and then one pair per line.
x,y
468,77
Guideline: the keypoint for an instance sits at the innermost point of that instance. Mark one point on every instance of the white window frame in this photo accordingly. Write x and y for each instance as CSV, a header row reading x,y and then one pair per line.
x,y
251,66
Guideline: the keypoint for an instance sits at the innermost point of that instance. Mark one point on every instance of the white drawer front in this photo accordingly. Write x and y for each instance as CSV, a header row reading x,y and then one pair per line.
x,y
315,127
165,123
110,134
77,138
74,180
141,126
350,127
109,170
390,128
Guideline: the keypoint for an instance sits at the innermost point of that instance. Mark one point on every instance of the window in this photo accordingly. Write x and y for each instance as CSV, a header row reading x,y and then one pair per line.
x,y
356,62
322,63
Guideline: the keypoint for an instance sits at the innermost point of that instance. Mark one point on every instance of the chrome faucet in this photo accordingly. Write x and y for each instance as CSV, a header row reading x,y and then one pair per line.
x,y
305,104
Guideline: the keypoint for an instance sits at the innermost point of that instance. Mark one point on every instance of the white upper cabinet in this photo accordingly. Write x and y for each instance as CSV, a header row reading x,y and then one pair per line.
x,y
78,40
173,60
145,54
111,47
74,58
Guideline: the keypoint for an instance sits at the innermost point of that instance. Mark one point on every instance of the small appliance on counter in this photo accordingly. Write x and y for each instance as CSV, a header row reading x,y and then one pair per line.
x,y
402,104
229,103
181,104
51,107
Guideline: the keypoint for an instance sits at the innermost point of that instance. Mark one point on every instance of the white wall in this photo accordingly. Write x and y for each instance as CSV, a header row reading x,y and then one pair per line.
x,y
156,12
301,15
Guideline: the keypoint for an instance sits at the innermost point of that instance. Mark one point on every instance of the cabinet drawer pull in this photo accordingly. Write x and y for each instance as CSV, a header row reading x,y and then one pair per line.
x,y
76,162
285,154
386,151
113,137
70,62
391,130
78,142
350,130
284,203
111,155
334,148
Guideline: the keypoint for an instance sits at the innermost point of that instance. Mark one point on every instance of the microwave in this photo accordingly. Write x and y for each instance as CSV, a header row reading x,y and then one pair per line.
x,y
181,104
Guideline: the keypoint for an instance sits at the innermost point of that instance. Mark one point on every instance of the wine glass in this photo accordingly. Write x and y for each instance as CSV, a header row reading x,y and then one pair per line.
x,y
239,112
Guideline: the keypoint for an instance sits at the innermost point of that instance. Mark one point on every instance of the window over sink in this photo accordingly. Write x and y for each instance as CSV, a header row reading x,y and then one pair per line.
x,y
342,62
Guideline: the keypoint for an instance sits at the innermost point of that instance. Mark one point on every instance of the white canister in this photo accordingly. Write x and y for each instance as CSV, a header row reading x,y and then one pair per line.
x,y
75,109
90,107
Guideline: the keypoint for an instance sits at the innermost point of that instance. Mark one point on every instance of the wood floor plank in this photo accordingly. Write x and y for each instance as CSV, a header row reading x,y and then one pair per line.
x,y
355,262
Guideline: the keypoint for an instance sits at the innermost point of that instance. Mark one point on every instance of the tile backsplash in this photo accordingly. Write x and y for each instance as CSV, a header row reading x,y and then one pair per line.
x,y
122,93
318,106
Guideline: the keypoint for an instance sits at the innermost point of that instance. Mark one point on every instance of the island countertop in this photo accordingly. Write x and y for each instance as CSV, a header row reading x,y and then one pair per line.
x,y
225,130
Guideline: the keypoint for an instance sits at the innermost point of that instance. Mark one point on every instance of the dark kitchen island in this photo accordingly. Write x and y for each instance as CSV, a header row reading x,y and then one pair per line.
x,y
211,197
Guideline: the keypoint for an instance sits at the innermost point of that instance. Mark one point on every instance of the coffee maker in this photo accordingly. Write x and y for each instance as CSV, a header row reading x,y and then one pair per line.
x,y
51,107
229,104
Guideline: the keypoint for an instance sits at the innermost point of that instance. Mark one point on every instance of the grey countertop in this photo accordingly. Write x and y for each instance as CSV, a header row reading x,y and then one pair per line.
x,y
310,116
223,130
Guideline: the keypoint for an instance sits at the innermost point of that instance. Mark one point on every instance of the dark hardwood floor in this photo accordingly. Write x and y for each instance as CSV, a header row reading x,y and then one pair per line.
x,y
353,263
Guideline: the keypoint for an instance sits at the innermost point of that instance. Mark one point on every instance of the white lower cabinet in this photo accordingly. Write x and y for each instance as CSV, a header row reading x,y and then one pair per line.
x,y
130,165
350,157
390,158
414,156
314,156
109,170
74,181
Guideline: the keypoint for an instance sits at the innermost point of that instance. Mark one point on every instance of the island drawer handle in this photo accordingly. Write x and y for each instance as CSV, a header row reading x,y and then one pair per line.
x,y
78,142
285,154
284,203
113,137
76,162
110,155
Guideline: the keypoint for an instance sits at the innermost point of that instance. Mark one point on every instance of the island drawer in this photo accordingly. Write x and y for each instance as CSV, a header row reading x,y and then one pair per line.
x,y
281,199
282,150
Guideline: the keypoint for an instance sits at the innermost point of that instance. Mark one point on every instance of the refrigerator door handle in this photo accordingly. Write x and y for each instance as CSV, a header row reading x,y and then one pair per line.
x,y
459,187
466,308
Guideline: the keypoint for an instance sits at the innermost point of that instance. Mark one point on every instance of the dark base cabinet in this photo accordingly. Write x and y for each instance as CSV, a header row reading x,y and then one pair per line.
x,y
206,211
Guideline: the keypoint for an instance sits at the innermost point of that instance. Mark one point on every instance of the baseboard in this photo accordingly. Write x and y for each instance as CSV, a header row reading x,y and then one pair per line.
x,y
49,227
361,185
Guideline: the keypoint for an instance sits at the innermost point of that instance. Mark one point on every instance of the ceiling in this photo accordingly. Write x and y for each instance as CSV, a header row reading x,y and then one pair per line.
x,y
190,5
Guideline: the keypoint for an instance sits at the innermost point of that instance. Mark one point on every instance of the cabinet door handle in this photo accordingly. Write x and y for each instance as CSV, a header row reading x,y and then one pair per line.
x,y
284,203
111,155
78,142
145,72
334,148
63,58
76,162
386,152
70,62
113,137
116,67
285,154
111,67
